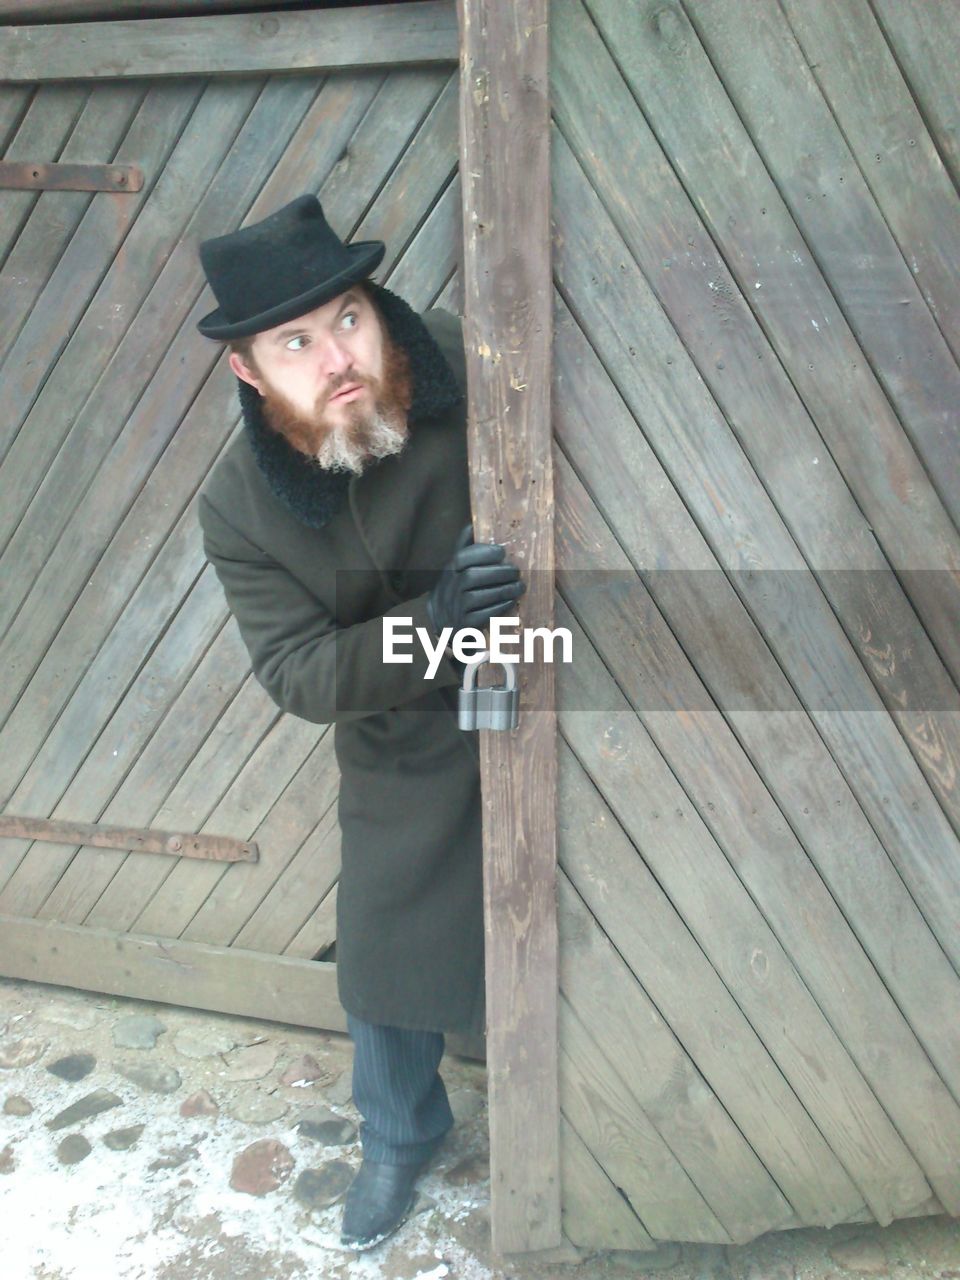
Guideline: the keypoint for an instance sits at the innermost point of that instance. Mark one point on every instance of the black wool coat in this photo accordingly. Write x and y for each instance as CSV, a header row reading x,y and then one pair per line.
x,y
310,562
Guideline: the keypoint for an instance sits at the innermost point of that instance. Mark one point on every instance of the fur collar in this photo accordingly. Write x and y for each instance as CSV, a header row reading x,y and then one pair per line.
x,y
314,494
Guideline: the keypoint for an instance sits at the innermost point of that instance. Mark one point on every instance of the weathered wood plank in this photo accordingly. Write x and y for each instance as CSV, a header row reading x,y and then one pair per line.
x,y
98,735
665,1084
427,165
319,933
626,481
238,165
700,749
287,760
53,221
224,979
44,129
882,125
505,166
235,739
149,778
319,40
435,250
693,119
644,199
14,103
749,541
20,11
62,316
118,470
688,994
379,143
298,894
926,41
180,844
604,1111
595,1216
777,101
229,901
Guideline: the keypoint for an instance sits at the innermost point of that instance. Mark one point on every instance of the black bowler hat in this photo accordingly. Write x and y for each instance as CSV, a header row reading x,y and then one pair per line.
x,y
280,268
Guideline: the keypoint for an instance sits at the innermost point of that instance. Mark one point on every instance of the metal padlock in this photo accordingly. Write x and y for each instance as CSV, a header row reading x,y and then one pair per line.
x,y
495,708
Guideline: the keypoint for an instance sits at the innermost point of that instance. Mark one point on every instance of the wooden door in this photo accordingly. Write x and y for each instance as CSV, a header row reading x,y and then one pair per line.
x,y
126,696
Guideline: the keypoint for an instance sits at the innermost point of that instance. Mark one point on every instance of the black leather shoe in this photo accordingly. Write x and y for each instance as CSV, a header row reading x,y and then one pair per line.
x,y
378,1201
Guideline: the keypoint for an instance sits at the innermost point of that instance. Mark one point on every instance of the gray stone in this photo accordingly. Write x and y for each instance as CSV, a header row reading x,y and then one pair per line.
x,y
251,1062
261,1167
173,1158
664,1258
7,1161
335,1132
138,1031
17,1105
863,1254
466,1105
73,1067
90,1104
475,1168
150,1076
200,1103
79,1017
252,1106
123,1139
340,1091
20,1053
318,1188
307,1070
194,1042
73,1149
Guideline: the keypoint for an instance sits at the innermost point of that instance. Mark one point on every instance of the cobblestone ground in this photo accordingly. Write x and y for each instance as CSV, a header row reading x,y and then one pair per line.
x,y
142,1141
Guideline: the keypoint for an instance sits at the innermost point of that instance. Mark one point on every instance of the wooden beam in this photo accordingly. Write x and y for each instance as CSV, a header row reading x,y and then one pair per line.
x,y
505,168
140,840
380,35
21,11
222,979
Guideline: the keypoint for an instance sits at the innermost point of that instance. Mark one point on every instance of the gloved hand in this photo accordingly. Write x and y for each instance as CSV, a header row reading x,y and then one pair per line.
x,y
476,583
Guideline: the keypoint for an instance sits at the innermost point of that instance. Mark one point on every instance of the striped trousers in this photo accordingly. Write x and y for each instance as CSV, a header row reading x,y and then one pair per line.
x,y
398,1091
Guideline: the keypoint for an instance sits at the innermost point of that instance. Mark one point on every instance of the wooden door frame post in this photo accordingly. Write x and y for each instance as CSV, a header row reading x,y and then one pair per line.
x,y
507,288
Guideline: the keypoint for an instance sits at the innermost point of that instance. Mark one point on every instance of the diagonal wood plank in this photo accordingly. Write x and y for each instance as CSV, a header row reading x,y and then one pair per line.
x,y
41,133
927,49
690,997
243,731
643,510
694,121
595,1215
703,460
665,1085
875,111
65,344
650,209
779,104
101,127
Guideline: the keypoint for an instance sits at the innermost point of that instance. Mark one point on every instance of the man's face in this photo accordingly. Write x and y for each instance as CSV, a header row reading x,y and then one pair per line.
x,y
332,381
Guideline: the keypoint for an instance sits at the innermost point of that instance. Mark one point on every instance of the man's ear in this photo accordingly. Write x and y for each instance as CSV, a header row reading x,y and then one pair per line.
x,y
244,372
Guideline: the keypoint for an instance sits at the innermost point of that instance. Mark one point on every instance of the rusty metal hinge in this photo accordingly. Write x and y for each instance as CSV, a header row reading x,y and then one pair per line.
x,y
28,176
138,840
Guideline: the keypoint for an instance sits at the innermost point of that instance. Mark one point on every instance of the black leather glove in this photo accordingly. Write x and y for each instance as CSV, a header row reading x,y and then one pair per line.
x,y
477,582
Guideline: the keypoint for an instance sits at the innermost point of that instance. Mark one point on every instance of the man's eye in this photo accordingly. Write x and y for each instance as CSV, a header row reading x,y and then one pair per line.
x,y
351,315
297,343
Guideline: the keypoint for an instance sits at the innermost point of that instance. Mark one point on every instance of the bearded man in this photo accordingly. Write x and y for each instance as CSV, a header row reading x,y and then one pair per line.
x,y
345,501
